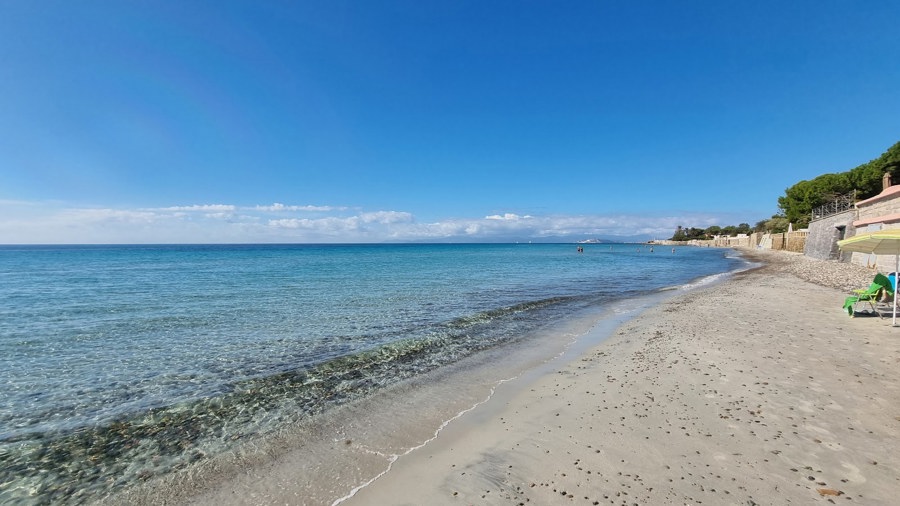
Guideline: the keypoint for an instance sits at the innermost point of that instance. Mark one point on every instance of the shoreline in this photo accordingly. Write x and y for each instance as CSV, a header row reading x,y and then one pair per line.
x,y
336,451
324,459
771,396
618,419
231,345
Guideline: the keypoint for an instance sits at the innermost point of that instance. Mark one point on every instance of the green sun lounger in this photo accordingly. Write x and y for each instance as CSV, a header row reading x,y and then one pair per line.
x,y
870,295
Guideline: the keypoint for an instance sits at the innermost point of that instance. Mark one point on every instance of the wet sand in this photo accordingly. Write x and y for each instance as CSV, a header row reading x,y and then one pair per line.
x,y
759,390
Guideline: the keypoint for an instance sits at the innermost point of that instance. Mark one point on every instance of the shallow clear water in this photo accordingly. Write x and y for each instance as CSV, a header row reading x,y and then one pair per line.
x,y
124,362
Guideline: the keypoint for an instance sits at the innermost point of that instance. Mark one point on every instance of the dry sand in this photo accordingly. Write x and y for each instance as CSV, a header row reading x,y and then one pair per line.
x,y
759,390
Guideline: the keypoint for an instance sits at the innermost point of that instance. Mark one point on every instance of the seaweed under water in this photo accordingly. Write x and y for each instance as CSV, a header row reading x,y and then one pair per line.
x,y
90,462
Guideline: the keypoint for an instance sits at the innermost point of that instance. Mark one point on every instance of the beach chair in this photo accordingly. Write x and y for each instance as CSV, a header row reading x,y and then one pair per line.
x,y
881,284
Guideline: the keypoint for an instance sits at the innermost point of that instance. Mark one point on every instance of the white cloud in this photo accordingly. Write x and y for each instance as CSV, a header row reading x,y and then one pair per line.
x,y
278,207
325,225
108,215
386,217
219,216
201,208
507,216
37,222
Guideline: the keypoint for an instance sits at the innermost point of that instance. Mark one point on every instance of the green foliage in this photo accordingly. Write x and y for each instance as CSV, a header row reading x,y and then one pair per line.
x,y
777,224
687,234
799,200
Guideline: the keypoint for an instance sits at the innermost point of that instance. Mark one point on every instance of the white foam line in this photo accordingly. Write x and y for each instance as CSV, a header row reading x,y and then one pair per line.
x,y
393,458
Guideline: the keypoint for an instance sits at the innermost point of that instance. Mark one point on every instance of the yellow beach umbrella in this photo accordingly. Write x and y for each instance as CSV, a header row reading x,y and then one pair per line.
x,y
881,242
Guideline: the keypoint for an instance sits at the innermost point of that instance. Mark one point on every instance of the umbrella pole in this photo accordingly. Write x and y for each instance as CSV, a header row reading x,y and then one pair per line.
x,y
896,282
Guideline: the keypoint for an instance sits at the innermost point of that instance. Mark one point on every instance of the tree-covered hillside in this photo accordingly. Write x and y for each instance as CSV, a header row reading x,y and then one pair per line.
x,y
799,200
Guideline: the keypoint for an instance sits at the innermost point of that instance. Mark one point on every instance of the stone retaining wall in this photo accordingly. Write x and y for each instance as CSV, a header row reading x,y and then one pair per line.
x,y
793,241
824,234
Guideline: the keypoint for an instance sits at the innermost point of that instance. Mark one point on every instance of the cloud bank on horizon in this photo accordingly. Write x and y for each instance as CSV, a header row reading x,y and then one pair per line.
x,y
33,223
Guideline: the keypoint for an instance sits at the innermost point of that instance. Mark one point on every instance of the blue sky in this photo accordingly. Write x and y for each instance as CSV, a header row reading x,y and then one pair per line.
x,y
332,121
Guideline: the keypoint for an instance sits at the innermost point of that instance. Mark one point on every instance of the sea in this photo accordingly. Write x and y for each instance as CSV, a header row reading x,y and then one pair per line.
x,y
122,363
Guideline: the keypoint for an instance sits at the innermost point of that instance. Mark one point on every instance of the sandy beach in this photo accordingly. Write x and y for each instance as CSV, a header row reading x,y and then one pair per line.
x,y
758,390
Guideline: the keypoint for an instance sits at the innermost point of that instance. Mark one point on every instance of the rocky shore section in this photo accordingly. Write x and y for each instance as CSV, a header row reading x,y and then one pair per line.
x,y
831,273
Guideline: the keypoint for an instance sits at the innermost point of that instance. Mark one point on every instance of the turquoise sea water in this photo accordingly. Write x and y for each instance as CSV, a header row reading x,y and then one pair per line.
x,y
120,363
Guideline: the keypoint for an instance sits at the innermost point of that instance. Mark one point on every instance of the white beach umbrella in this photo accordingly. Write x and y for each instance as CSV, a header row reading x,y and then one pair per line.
x,y
881,242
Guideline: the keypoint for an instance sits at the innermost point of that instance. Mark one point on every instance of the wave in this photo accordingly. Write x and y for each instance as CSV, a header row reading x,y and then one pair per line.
x,y
712,279
705,281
